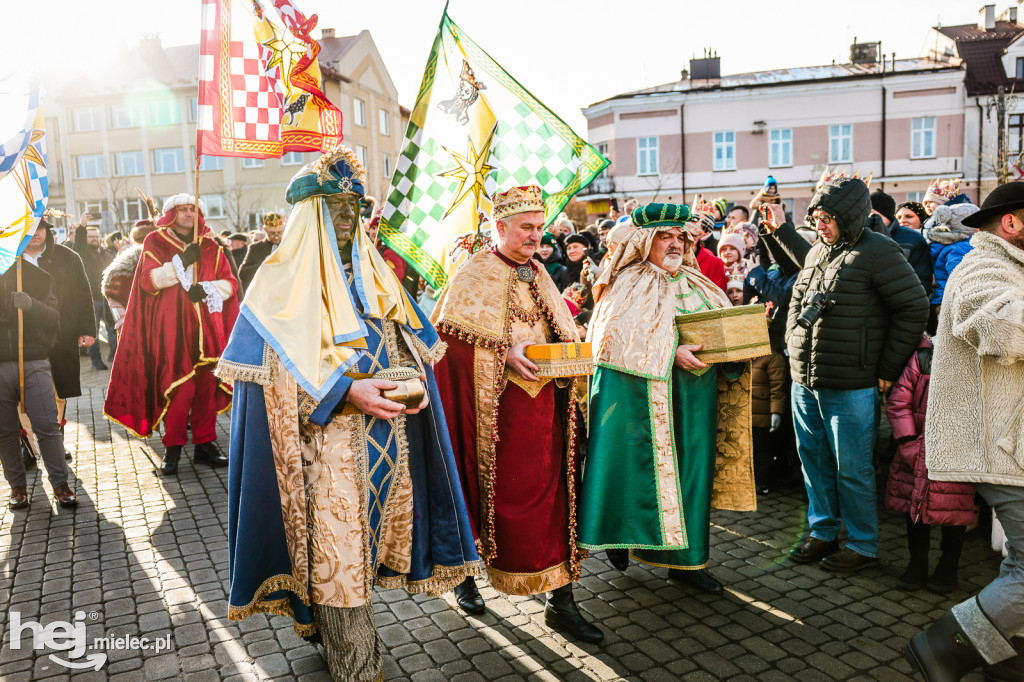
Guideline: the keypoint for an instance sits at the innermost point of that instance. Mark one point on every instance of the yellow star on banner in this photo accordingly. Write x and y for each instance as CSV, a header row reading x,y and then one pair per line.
x,y
284,52
472,171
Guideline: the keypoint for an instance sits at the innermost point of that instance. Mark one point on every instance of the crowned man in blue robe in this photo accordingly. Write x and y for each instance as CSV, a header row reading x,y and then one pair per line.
x,y
341,469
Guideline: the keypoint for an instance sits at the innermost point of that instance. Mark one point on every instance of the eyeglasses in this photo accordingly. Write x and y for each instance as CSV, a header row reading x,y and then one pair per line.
x,y
823,218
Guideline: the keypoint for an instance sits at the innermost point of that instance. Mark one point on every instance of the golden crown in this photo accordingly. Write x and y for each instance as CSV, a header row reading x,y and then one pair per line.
x,y
828,174
516,200
943,190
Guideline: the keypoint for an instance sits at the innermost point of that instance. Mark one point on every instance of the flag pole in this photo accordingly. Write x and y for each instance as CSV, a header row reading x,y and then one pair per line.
x,y
195,229
21,346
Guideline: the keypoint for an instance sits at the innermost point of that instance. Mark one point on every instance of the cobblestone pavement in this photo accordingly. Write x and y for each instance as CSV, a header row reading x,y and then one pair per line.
x,y
147,556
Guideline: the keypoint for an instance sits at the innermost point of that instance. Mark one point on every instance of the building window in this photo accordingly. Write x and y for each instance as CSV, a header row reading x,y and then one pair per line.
x,y
126,115
386,165
1020,68
214,205
780,147
916,196
363,154
193,109
210,162
132,210
646,156
922,138
840,143
90,166
254,219
1015,128
359,113
165,112
249,162
129,163
292,159
85,119
385,122
602,149
93,208
725,150
169,160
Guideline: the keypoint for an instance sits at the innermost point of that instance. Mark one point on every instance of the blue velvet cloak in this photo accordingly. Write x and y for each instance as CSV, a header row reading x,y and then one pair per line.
x,y
260,567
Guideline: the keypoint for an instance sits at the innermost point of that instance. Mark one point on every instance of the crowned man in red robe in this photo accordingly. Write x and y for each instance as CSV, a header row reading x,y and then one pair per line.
x,y
515,435
180,313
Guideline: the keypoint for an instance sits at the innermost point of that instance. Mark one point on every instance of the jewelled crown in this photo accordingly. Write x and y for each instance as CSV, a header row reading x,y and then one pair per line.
x,y
829,174
941,191
516,200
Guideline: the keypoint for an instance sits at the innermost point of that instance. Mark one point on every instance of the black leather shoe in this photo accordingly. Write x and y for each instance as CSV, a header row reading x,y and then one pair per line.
x,y
468,597
172,454
700,580
208,453
943,653
19,498
618,558
1010,670
813,549
563,615
847,561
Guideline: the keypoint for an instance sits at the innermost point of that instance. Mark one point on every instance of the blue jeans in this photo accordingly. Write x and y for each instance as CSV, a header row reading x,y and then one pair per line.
x,y
835,438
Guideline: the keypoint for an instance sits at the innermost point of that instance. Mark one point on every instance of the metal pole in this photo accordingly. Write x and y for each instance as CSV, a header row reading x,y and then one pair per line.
x,y
21,346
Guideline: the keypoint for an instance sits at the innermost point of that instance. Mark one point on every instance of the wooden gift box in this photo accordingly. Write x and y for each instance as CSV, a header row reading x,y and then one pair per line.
x,y
561,359
727,334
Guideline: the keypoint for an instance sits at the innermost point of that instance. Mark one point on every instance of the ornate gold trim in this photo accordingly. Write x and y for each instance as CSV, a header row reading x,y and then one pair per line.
x,y
442,579
263,375
526,584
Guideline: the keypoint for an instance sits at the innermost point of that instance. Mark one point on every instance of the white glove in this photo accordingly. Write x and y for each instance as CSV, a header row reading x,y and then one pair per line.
x,y
776,423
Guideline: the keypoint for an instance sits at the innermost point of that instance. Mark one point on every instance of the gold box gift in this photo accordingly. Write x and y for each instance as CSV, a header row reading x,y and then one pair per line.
x,y
561,359
409,392
726,334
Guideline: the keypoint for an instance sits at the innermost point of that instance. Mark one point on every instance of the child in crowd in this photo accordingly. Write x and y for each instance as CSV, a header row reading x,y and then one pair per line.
x,y
730,250
925,502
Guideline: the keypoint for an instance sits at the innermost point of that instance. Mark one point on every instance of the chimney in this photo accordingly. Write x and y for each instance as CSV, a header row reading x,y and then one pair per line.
x,y
326,33
987,20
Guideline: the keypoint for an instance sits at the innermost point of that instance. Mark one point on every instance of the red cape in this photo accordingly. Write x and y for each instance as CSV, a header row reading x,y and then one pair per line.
x,y
165,336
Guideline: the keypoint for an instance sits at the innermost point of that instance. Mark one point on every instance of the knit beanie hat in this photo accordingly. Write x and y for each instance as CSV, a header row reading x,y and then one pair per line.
x,y
720,204
548,239
577,239
884,204
946,225
734,240
916,207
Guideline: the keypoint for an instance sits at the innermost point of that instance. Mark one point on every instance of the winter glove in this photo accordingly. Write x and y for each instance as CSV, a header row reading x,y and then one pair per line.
x,y
20,299
776,423
196,293
190,255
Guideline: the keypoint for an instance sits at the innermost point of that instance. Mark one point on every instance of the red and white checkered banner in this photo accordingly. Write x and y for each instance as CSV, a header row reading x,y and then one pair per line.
x,y
260,93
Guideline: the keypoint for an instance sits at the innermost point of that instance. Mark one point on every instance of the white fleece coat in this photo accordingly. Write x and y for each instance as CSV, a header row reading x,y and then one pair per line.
x,y
974,430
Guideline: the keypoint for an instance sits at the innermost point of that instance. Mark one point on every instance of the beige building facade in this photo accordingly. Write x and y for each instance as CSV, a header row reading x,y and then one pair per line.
x,y
133,125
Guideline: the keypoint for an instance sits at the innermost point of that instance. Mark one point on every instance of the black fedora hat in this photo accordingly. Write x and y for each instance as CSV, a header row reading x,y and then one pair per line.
x,y
1002,200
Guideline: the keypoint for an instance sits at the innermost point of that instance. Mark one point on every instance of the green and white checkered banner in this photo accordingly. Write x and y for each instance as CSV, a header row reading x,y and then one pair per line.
x,y
474,131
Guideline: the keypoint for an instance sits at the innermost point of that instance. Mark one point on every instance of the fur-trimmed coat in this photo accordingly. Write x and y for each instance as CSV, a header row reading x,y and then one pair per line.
x,y
118,277
975,426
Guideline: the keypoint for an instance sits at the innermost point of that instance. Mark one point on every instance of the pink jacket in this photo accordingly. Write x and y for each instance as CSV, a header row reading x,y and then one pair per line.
x,y
909,489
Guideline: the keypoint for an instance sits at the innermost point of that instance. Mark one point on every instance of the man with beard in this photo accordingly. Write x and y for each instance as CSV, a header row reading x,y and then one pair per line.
x,y
660,418
180,313
515,435
335,486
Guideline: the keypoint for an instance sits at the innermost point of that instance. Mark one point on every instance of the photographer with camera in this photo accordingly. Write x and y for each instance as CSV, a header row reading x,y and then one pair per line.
x,y
857,313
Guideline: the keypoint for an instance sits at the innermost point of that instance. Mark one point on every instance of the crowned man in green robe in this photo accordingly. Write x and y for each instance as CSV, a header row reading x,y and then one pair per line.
x,y
669,434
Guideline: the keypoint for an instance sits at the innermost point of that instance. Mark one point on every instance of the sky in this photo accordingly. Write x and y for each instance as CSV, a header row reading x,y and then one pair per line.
x,y
567,53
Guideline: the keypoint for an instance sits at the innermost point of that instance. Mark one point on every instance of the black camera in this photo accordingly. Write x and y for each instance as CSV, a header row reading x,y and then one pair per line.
x,y
817,304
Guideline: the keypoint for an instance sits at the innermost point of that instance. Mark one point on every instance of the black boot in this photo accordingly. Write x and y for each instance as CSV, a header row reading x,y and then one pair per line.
x,y
1010,670
208,453
172,454
945,579
563,615
918,539
468,597
942,652
701,580
618,558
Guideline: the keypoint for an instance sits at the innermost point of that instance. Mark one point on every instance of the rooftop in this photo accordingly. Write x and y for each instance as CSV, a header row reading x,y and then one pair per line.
x,y
982,53
795,75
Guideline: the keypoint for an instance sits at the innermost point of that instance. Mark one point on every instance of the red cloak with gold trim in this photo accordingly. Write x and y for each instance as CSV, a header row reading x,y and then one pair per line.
x,y
166,336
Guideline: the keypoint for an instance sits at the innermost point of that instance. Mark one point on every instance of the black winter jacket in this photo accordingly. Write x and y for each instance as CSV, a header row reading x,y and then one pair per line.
x,y
77,318
879,308
42,321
